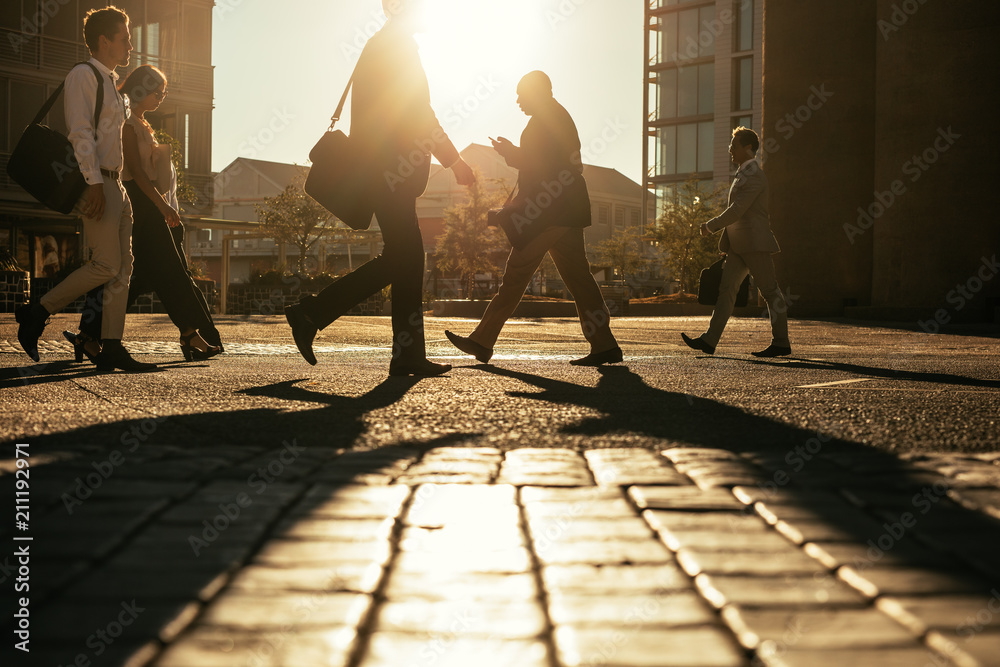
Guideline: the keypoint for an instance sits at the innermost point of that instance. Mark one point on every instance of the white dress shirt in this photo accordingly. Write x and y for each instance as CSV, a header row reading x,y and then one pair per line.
x,y
79,98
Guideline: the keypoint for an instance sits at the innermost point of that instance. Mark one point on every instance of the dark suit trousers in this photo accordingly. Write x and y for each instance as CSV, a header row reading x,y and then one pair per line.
x,y
159,266
400,265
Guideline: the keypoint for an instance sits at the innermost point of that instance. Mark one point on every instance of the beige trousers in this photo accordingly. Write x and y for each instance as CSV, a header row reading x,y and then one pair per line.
x,y
566,246
110,241
761,267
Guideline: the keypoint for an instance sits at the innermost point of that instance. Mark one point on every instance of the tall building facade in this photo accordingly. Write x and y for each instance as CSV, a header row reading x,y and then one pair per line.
x,y
39,44
703,75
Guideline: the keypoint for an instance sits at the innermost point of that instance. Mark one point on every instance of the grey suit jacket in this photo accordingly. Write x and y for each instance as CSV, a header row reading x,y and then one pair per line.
x,y
745,221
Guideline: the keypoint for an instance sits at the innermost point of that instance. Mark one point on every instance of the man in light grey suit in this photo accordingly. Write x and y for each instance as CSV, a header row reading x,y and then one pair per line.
x,y
748,243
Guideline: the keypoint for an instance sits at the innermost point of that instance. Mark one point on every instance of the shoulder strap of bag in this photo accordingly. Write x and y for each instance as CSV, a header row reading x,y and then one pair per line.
x,y
55,95
343,99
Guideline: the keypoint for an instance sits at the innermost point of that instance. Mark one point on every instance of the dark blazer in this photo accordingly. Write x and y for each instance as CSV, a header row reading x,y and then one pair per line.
x,y
549,162
391,116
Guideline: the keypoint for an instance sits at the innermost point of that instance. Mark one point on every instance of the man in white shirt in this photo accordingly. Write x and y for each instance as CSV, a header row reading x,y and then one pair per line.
x,y
105,208
748,243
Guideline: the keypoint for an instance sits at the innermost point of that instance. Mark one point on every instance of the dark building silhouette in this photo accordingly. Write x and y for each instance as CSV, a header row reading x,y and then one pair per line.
x,y
879,139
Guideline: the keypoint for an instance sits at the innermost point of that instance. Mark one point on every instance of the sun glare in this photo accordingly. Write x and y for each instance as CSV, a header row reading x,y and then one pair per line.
x,y
475,51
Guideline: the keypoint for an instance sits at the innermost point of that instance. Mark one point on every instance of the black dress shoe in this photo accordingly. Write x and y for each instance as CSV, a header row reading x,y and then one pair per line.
x,y
612,356
303,331
469,346
113,355
698,344
773,350
31,318
422,368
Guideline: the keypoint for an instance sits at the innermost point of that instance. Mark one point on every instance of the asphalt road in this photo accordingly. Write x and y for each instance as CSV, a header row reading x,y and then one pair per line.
x,y
847,384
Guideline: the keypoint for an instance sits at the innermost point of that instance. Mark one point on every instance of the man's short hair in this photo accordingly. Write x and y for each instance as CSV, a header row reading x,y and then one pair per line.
x,y
102,22
747,137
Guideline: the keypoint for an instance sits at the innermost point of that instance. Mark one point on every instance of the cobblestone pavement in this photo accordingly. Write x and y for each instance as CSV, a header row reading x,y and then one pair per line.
x,y
526,513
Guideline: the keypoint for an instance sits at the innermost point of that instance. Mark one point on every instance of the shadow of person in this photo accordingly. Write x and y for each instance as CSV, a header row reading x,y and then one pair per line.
x,y
873,371
819,485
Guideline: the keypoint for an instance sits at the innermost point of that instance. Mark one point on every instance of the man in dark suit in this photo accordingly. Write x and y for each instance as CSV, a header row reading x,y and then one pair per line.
x,y
393,123
748,243
553,209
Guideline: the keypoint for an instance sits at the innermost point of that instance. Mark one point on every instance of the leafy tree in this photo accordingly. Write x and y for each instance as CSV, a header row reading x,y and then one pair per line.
x,y
678,232
624,251
467,245
295,218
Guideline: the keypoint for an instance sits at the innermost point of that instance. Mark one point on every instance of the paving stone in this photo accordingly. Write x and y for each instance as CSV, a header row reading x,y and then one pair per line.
x,y
785,495
511,560
463,538
863,556
535,494
696,561
108,583
133,619
978,498
981,649
390,649
963,615
875,498
436,505
639,646
848,530
352,502
610,552
340,576
254,611
706,540
115,655
339,530
687,454
223,647
664,607
549,530
829,629
180,556
292,553
578,509
624,467
465,618
196,512
782,591
894,657
683,498
738,522
614,579
913,580
445,584
544,476
772,512
427,476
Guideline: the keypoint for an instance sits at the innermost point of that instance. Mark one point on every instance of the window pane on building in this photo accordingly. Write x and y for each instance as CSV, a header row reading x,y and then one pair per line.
x,y
162,21
744,29
668,94
743,95
706,146
619,217
668,151
706,40
706,88
687,91
687,33
603,214
668,40
687,148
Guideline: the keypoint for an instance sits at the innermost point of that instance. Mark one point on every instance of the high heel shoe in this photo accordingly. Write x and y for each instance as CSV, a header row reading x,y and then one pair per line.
x,y
79,342
191,353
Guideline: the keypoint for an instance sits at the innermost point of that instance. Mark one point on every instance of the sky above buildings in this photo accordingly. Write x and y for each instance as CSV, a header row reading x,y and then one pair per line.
x,y
280,69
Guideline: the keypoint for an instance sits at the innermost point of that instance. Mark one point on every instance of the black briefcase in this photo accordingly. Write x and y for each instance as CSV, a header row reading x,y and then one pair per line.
x,y
711,281
43,162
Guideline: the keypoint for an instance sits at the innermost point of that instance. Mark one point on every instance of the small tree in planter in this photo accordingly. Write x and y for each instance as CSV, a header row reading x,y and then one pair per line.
x,y
15,282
